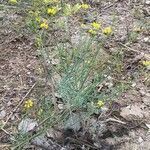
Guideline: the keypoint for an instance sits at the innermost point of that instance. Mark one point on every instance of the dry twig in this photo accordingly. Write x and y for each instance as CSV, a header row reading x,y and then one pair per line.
x,y
19,105
115,120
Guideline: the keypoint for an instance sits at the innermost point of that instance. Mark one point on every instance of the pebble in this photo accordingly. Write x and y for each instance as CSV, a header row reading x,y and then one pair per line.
x,y
146,39
2,114
147,2
146,100
61,106
140,140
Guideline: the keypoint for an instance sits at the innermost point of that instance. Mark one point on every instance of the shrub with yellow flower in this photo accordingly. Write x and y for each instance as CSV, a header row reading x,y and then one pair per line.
x,y
28,104
52,11
96,25
85,6
44,25
100,103
107,30
146,63
91,31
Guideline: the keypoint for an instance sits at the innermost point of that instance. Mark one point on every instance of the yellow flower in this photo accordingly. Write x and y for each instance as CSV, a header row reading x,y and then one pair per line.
x,y
100,103
52,10
96,25
85,6
91,31
13,1
28,104
107,30
146,63
44,25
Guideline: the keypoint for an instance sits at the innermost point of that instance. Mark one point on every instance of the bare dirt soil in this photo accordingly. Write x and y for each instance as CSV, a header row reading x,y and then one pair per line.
x,y
127,119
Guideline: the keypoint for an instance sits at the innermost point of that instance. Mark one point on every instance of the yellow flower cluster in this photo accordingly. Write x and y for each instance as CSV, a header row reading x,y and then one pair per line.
x,y
28,104
52,11
44,25
107,31
96,25
100,103
146,63
84,6
91,31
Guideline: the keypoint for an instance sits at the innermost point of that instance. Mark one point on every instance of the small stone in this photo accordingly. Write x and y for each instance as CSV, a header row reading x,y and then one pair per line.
x,y
61,106
132,111
52,133
110,85
73,122
133,84
57,95
41,141
148,125
146,100
2,114
147,94
55,61
146,39
147,2
140,140
142,92
13,117
9,103
104,109
109,78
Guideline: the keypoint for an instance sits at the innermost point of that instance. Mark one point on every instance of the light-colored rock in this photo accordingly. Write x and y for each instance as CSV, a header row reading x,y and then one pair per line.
x,y
140,140
146,100
61,106
2,114
147,2
133,112
27,125
73,122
